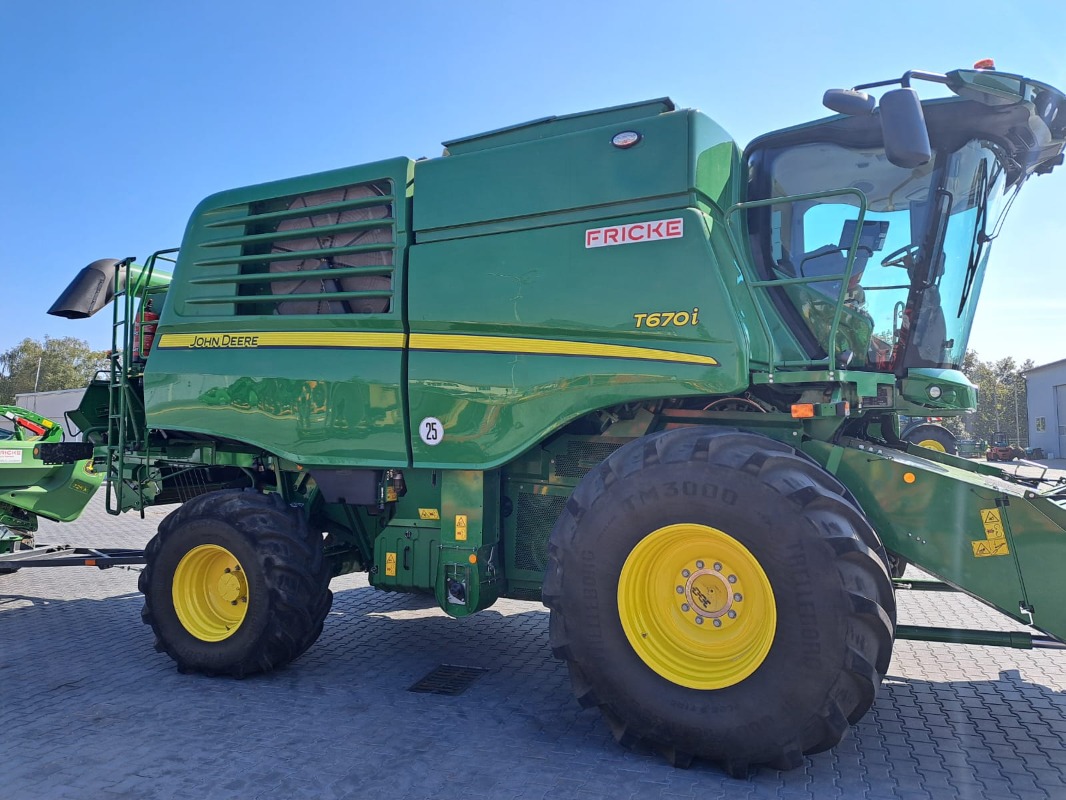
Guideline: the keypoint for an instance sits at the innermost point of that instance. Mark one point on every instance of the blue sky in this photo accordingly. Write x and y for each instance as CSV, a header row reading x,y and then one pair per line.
x,y
119,116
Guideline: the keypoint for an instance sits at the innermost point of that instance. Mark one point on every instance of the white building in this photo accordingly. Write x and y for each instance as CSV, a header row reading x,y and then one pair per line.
x,y
53,405
1046,392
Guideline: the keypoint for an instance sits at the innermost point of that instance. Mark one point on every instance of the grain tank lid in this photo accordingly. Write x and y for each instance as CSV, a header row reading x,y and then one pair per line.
x,y
546,127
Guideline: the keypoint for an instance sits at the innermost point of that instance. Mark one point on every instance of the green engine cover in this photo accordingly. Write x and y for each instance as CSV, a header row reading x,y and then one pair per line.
x,y
438,314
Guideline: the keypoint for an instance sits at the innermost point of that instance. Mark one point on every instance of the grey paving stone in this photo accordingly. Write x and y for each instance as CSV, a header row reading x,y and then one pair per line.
x,y
91,710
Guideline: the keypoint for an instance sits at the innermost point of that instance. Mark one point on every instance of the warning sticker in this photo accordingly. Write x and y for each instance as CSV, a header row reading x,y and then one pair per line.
x,y
995,541
390,564
993,523
460,527
428,513
10,456
990,547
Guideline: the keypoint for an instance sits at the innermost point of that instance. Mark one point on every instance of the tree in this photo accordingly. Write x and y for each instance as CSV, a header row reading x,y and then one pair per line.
x,y
1002,405
66,363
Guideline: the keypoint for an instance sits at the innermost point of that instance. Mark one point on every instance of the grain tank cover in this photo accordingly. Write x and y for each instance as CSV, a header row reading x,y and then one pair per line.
x,y
584,164
557,126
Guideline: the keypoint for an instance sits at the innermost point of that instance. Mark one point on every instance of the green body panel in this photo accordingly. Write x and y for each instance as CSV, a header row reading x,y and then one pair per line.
x,y
532,242
29,487
1038,529
493,405
58,493
347,413
957,394
285,382
90,417
457,555
935,513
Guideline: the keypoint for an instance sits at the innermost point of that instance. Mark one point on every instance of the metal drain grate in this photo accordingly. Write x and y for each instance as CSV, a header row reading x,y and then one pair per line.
x,y
448,679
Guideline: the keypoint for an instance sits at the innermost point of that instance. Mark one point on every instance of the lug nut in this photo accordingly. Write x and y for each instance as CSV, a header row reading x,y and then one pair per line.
x,y
699,565
717,567
732,579
685,573
699,620
718,623
738,597
732,614
680,589
685,607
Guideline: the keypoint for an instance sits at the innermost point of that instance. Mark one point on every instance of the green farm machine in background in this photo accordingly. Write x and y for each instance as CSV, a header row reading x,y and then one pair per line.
x,y
31,488
609,361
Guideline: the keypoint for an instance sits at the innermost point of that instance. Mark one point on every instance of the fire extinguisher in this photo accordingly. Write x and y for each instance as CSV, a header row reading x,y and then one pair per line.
x,y
144,331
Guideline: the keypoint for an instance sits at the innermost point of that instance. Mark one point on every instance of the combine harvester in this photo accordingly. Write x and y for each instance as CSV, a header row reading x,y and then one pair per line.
x,y
609,361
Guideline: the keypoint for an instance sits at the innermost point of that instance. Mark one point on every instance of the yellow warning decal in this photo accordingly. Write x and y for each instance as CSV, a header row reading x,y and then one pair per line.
x,y
990,547
995,541
428,513
460,527
390,564
993,523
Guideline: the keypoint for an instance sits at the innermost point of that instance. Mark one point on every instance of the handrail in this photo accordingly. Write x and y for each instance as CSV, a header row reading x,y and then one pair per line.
x,y
125,409
844,277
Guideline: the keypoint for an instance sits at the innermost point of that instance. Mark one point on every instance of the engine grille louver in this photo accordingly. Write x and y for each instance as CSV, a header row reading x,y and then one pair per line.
x,y
330,251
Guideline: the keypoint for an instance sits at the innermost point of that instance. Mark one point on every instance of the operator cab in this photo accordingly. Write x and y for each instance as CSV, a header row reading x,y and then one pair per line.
x,y
904,275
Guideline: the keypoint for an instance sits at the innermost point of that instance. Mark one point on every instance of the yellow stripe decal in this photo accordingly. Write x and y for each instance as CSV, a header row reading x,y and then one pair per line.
x,y
423,341
253,340
549,347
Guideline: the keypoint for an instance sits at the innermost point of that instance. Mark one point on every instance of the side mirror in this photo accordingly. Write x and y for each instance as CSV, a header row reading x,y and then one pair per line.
x,y
848,101
904,130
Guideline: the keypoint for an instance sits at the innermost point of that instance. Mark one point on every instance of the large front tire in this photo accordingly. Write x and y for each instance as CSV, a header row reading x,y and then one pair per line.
x,y
718,596
235,583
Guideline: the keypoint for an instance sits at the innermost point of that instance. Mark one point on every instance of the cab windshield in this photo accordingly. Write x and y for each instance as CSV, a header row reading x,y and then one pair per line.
x,y
919,251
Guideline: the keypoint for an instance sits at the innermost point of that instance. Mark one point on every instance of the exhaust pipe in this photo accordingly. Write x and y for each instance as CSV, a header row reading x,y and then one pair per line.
x,y
94,287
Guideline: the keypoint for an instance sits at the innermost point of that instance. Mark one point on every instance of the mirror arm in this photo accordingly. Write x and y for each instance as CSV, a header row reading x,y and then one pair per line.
x,y
932,77
905,81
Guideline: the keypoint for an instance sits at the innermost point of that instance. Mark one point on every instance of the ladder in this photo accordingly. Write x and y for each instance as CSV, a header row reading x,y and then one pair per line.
x,y
127,431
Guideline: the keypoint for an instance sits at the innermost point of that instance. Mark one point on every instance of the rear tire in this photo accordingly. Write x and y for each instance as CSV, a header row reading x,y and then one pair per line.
x,y
235,583
663,526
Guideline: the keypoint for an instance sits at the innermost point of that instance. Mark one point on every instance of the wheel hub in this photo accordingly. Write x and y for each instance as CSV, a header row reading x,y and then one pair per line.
x,y
229,586
710,594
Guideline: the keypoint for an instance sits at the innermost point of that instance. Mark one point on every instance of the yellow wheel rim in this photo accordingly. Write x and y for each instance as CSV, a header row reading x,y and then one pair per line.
x,y
696,606
933,444
210,592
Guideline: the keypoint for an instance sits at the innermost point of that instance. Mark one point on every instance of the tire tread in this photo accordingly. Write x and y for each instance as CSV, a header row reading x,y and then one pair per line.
x,y
287,548
842,526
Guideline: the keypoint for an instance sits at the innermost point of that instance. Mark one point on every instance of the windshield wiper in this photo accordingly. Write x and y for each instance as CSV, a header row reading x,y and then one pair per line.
x,y
981,237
